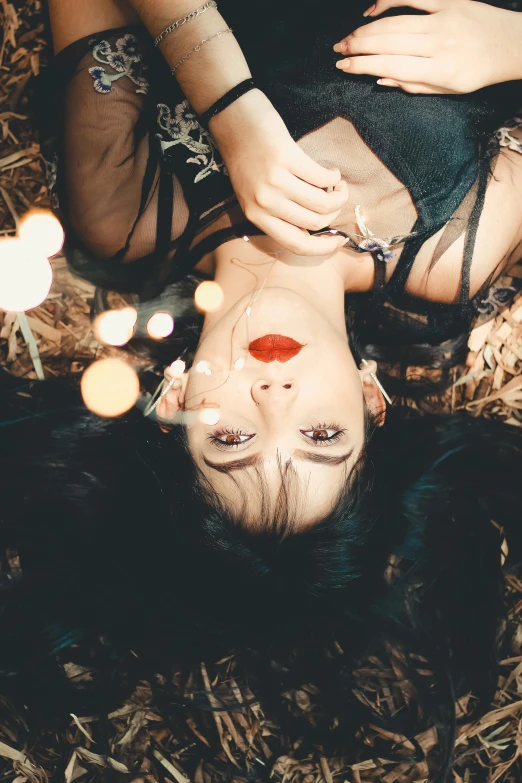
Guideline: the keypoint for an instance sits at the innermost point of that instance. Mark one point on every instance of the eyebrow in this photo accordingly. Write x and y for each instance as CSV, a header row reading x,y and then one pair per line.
x,y
255,459
236,464
322,459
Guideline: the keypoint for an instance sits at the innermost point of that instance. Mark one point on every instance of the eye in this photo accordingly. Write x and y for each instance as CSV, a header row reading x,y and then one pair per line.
x,y
229,439
323,434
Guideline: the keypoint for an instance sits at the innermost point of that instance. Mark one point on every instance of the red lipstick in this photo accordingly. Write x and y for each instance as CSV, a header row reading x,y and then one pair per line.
x,y
274,348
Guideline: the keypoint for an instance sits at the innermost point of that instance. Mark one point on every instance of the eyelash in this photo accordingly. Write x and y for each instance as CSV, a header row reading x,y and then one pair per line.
x,y
215,437
339,432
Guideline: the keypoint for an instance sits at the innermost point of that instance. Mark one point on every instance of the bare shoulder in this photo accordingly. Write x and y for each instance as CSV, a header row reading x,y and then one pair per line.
x,y
498,242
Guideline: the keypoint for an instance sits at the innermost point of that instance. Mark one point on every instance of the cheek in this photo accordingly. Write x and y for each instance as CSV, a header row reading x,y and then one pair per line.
x,y
199,386
336,380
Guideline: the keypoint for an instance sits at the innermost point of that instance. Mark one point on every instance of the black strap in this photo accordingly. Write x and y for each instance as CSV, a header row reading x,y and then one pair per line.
x,y
469,247
149,176
228,98
379,265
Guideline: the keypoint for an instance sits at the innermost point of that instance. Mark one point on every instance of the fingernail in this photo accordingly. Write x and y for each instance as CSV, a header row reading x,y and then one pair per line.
x,y
342,64
370,10
387,83
339,47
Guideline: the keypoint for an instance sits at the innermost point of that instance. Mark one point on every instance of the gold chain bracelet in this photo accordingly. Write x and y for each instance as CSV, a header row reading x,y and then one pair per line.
x,y
184,20
199,46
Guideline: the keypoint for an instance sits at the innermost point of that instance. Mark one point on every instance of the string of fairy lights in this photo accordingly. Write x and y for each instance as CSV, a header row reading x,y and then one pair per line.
x,y
110,386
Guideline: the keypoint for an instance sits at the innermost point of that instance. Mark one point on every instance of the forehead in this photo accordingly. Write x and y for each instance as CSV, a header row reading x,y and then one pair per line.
x,y
302,493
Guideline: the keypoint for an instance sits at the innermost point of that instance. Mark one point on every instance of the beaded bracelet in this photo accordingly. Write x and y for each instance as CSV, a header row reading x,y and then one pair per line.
x,y
184,20
228,98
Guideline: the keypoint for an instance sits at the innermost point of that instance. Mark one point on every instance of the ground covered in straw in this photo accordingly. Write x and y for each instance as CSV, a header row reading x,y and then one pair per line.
x,y
138,742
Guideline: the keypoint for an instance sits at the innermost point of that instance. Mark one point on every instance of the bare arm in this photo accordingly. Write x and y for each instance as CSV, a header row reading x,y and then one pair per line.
x,y
209,73
280,189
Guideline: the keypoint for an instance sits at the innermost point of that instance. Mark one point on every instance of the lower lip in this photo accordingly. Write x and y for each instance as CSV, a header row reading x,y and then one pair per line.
x,y
274,348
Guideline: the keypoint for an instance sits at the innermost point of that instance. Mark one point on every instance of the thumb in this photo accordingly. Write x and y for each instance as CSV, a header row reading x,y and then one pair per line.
x,y
431,6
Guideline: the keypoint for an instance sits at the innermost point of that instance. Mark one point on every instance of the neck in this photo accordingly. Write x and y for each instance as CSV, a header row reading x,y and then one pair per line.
x,y
244,268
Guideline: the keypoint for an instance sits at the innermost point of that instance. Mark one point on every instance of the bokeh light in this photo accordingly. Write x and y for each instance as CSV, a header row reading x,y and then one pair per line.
x,y
41,229
209,416
26,276
177,368
160,325
208,296
202,367
115,327
239,364
110,387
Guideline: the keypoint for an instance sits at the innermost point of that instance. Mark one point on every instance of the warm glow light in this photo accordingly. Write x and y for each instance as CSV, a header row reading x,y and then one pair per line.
x,y
209,416
178,367
202,367
208,296
116,327
160,325
41,229
110,387
25,276
239,364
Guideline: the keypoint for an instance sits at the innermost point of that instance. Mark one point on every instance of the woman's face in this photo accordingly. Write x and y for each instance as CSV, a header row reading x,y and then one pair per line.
x,y
301,409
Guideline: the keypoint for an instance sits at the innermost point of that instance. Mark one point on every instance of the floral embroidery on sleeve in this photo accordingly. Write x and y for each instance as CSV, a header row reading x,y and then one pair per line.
x,y
125,61
51,176
185,129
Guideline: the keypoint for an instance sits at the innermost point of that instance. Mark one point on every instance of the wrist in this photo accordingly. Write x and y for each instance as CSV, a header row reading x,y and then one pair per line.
x,y
510,59
238,116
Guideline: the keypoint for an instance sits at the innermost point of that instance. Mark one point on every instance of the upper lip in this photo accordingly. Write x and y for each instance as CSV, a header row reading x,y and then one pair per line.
x,y
274,347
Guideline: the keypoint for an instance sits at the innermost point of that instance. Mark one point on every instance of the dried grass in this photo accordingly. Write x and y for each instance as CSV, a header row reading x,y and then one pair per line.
x,y
141,745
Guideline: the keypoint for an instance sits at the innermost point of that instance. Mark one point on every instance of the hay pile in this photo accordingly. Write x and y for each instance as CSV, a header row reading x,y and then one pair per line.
x,y
139,741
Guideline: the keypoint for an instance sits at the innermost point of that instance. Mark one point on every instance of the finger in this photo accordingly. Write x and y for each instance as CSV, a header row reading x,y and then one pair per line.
x,y
394,25
381,6
415,88
170,375
298,241
406,45
169,406
313,198
308,170
390,66
291,212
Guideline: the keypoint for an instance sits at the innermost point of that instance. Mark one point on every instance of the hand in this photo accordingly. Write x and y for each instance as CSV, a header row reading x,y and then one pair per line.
x,y
170,403
279,188
460,47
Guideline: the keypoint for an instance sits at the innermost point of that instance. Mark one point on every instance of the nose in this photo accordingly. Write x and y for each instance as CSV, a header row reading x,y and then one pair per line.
x,y
275,395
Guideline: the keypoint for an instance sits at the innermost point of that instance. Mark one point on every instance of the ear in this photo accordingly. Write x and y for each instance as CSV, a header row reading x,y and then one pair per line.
x,y
172,402
372,394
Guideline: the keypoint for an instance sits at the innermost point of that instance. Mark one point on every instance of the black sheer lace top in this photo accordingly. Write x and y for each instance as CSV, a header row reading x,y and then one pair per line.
x,y
144,194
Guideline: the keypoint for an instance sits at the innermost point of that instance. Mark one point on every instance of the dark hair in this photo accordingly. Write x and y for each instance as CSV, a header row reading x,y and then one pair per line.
x,y
108,546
